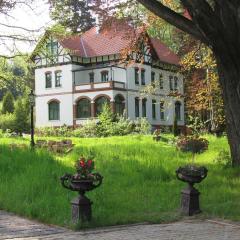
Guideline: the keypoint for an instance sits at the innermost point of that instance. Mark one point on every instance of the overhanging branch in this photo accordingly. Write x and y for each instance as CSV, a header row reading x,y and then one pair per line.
x,y
173,18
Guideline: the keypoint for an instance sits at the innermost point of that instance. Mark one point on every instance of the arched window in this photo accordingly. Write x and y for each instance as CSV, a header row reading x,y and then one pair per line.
x,y
54,110
119,104
178,110
99,103
83,108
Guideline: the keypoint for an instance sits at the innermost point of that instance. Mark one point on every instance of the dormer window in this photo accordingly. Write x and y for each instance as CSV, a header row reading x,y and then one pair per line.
x,y
104,76
48,79
91,77
52,48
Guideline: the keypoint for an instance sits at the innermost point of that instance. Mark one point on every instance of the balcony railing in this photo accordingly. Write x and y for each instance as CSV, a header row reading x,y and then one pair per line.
x,y
99,85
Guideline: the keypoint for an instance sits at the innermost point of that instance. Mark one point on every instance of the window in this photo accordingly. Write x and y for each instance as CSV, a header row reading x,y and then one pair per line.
x,y
143,82
136,107
52,48
104,76
48,79
119,104
154,109
160,81
144,107
178,110
99,103
171,83
136,70
53,110
162,111
175,83
91,77
58,77
83,108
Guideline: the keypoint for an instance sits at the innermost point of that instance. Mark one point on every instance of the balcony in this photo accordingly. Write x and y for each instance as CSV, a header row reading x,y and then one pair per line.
x,y
99,85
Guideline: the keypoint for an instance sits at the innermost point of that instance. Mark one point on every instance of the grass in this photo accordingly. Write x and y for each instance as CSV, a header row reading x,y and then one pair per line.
x,y
139,181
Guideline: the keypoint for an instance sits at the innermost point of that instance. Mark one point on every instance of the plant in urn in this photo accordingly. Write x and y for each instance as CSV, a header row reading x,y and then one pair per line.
x,y
83,181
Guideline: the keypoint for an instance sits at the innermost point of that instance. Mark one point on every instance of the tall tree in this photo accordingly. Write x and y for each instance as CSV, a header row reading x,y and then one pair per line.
x,y
8,103
72,14
217,24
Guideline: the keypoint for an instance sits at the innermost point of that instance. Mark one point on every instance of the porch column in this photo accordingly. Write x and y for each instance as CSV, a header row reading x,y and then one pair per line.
x,y
93,110
74,115
112,105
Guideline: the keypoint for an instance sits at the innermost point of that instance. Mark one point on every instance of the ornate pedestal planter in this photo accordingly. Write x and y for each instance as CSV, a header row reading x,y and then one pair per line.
x,y
82,182
190,195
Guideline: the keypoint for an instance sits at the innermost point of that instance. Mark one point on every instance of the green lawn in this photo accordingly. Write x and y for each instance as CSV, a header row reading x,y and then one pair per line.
x,y
139,181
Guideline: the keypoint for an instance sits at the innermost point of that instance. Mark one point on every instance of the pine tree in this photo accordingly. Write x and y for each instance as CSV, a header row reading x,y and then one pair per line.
x,y
21,117
72,14
8,103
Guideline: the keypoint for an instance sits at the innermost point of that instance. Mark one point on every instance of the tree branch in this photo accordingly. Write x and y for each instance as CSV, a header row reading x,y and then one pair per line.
x,y
173,18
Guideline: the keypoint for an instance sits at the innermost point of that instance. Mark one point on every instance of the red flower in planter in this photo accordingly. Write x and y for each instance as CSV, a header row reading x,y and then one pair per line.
x,y
84,168
89,163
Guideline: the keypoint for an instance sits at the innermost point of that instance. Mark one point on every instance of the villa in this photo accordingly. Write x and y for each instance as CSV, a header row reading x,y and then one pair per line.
x,y
76,75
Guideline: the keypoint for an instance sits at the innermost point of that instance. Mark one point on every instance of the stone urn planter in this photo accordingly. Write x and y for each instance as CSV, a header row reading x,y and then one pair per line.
x,y
83,181
191,174
190,196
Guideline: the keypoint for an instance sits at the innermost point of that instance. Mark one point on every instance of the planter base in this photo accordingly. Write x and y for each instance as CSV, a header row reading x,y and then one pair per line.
x,y
81,209
190,201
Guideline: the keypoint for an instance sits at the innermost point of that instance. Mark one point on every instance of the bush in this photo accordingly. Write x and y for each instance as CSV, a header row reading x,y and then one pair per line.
x,y
192,144
89,129
142,126
224,158
8,103
7,121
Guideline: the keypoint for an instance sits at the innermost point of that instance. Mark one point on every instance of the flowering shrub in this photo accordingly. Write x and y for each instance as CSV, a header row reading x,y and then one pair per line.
x,y
84,168
192,144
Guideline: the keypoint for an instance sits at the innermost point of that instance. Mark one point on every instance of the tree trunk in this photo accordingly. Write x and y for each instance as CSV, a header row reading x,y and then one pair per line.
x,y
229,74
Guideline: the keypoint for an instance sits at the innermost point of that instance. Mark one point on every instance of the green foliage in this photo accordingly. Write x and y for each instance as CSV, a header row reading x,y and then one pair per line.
x,y
15,76
7,121
21,116
8,103
224,159
142,126
72,14
196,125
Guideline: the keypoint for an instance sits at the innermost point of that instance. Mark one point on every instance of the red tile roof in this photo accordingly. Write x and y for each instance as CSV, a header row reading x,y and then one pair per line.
x,y
113,41
164,53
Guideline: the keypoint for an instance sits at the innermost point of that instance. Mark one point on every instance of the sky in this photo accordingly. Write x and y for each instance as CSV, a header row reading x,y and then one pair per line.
x,y
35,17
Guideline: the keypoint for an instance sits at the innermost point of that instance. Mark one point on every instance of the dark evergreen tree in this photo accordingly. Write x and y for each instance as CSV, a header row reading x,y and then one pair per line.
x,y
72,14
8,103
21,117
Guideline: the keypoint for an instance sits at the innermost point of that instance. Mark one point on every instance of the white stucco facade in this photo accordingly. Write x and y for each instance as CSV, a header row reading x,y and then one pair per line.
x,y
75,84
